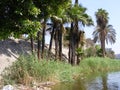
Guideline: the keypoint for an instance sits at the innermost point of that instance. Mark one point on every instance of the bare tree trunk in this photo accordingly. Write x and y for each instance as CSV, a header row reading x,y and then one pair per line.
x,y
69,52
43,39
32,45
39,44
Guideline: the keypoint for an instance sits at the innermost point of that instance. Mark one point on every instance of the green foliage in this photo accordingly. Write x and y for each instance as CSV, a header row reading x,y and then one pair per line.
x,y
34,11
79,12
102,17
99,52
28,69
90,52
80,52
30,26
110,54
95,51
100,64
18,17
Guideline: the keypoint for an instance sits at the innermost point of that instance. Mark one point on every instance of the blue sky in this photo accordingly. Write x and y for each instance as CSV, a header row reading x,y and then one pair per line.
x,y
112,7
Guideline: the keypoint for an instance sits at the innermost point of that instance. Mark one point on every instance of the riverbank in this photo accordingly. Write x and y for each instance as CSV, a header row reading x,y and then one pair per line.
x,y
28,70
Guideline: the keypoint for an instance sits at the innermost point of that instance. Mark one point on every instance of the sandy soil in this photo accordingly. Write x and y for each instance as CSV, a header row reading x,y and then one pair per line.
x,y
10,51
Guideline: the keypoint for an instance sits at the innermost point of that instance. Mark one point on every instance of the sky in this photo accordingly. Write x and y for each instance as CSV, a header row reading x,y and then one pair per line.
x,y
112,7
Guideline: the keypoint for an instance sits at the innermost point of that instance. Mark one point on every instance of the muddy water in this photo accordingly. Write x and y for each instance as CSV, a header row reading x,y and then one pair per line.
x,y
110,81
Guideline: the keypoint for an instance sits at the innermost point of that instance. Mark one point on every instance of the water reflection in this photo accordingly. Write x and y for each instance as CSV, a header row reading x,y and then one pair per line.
x,y
113,81
99,83
79,85
104,82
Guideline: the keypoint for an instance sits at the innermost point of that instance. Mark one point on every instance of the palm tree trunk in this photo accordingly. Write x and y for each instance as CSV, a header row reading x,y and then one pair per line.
x,y
43,39
73,51
70,44
56,44
77,36
78,41
102,39
76,1
103,48
60,41
51,39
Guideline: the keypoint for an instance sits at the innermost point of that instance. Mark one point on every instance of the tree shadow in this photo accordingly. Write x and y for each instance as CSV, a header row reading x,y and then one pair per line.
x,y
12,47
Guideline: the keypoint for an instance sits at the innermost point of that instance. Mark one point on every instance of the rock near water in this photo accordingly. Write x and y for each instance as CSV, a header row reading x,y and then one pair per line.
x,y
8,87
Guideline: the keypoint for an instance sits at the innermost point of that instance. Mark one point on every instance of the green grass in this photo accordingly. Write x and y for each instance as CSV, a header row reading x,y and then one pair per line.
x,y
28,69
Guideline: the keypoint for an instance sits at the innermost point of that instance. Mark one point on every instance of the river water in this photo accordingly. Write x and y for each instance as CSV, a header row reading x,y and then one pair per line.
x,y
110,81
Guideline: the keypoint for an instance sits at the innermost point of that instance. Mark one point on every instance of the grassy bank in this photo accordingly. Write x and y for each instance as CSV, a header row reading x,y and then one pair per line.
x,y
28,69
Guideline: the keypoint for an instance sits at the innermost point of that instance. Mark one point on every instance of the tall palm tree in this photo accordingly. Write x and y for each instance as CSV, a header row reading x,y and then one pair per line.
x,y
109,36
77,14
103,30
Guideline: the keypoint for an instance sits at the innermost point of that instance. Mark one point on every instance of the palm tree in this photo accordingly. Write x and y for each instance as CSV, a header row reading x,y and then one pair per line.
x,y
77,14
58,18
57,31
109,36
103,30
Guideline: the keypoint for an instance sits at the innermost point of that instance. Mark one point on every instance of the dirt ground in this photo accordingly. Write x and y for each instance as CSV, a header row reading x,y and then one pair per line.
x,y
10,50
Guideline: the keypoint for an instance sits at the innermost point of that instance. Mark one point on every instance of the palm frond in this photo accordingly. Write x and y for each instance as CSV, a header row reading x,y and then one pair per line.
x,y
78,12
109,37
111,34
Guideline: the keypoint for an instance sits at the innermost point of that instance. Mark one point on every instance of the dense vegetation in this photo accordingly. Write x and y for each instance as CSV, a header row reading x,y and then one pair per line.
x,y
28,70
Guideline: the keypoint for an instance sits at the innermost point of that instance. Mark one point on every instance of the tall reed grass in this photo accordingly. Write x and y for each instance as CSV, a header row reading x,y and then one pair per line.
x,y
28,69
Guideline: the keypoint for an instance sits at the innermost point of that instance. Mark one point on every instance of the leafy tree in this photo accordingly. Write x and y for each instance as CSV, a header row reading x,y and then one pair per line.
x,y
103,30
19,17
